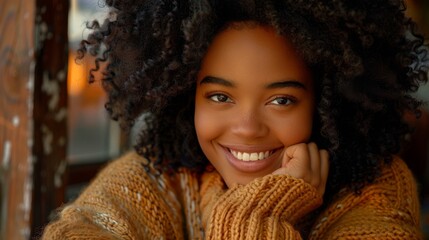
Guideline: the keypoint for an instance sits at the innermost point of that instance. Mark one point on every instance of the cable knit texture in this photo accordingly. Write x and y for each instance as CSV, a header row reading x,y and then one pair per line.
x,y
125,202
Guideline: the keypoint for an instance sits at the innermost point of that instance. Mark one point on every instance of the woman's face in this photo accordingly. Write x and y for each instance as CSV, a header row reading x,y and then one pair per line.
x,y
254,98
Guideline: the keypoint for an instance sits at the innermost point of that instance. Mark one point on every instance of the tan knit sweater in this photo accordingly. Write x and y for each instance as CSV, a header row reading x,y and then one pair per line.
x,y
124,202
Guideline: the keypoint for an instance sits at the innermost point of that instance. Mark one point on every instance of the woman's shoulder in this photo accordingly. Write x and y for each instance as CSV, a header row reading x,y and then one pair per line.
x,y
128,166
387,206
120,201
397,175
128,161
128,174
395,188
398,185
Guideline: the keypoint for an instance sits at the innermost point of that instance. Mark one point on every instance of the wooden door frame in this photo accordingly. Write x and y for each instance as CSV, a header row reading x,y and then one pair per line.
x,y
33,119
16,91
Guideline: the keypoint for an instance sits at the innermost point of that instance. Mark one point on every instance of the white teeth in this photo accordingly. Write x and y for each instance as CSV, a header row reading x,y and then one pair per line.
x,y
244,156
254,156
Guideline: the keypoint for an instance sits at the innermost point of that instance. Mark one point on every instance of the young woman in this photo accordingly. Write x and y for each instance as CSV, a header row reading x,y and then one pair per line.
x,y
265,120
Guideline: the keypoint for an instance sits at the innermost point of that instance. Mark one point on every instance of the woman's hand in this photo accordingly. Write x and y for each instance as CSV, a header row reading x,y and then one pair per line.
x,y
305,161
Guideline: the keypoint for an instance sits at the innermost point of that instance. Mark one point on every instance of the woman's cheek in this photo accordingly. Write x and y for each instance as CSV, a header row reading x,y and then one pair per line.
x,y
205,124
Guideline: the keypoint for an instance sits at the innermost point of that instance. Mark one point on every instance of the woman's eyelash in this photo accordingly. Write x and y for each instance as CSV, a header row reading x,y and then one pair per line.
x,y
279,100
283,100
219,97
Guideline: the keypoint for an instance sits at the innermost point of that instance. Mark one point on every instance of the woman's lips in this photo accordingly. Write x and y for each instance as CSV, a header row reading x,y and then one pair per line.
x,y
252,161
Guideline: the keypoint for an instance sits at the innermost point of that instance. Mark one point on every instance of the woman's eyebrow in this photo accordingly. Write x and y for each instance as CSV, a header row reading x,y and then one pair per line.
x,y
216,80
286,83
227,83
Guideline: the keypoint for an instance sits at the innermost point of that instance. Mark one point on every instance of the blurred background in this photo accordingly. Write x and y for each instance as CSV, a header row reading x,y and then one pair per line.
x,y
54,132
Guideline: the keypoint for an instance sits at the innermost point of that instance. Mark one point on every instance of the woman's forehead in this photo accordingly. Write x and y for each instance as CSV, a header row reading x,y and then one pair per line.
x,y
258,52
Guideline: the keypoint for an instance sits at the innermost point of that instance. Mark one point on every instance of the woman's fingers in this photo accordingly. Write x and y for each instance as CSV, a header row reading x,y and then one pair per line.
x,y
307,162
297,161
315,164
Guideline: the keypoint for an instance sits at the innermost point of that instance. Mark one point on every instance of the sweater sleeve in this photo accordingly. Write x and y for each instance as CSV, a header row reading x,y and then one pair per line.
x,y
120,203
386,209
266,208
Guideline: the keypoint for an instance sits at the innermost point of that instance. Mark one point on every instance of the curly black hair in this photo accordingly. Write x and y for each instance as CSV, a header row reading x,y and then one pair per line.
x,y
365,56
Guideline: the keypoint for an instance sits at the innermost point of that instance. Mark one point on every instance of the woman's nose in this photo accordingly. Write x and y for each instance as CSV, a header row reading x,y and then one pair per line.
x,y
249,124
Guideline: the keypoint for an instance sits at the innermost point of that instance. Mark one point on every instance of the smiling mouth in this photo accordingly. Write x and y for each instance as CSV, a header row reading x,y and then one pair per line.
x,y
254,156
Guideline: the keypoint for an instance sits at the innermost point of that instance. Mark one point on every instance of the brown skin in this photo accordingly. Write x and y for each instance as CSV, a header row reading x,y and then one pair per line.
x,y
255,95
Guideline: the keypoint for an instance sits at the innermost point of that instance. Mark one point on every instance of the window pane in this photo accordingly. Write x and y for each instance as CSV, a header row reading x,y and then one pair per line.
x,y
92,136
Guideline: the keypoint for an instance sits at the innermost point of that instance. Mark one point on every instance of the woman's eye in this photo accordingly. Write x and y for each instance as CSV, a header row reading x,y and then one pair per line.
x,y
220,98
282,101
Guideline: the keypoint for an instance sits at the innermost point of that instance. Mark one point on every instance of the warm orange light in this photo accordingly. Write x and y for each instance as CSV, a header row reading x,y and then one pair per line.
x,y
76,76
